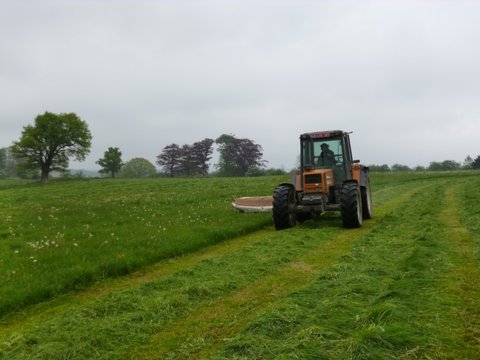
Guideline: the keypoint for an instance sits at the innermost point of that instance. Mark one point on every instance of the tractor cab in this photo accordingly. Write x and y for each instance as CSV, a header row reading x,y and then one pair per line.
x,y
325,163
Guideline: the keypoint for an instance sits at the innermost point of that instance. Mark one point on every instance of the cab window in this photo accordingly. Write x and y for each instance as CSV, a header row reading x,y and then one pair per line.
x,y
328,153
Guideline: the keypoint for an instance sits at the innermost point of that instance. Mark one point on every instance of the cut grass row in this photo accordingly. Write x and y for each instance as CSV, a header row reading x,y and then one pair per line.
x,y
400,293
209,329
400,287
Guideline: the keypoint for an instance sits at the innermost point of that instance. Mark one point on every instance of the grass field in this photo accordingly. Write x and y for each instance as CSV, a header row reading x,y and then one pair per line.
x,y
165,269
65,235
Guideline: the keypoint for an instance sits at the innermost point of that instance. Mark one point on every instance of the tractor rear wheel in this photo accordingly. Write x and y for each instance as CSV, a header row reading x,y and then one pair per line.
x,y
283,207
367,212
351,205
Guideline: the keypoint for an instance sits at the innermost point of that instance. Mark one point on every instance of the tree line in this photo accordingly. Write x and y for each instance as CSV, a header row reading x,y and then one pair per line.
x,y
53,139
186,160
446,165
236,157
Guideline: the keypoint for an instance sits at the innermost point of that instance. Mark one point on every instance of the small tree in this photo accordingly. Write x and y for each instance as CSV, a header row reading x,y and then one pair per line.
x,y
202,154
435,166
400,167
476,163
187,165
226,162
467,163
3,162
138,168
446,165
111,162
379,168
170,159
51,141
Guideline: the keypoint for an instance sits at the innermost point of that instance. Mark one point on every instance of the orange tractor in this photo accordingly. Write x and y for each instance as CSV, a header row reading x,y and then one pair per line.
x,y
328,179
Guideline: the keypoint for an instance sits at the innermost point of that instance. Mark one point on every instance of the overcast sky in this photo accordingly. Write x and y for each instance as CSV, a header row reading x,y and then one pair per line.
x,y
404,76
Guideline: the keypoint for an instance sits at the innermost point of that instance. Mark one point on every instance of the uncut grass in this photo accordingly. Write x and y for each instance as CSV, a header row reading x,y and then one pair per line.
x,y
64,235
380,301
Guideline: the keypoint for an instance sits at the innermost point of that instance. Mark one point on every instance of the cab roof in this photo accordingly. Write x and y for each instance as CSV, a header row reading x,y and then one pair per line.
x,y
323,134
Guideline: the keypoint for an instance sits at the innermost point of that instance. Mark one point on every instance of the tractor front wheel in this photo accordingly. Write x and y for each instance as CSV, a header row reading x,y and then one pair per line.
x,y
283,207
351,205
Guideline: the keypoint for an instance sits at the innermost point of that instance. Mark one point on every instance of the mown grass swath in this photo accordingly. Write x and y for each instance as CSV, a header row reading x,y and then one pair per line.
x,y
60,236
394,296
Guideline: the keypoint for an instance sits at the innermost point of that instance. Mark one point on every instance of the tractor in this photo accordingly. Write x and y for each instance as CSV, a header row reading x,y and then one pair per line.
x,y
328,179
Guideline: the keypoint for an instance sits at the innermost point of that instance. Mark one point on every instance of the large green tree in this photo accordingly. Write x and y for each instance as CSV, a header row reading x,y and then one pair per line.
x,y
202,154
226,163
171,159
111,162
51,141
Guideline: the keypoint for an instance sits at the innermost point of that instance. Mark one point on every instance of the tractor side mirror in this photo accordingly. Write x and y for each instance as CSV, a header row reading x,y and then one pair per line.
x,y
356,161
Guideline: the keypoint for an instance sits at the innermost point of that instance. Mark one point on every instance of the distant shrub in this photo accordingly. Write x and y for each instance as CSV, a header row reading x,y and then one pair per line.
x,y
379,168
256,171
138,168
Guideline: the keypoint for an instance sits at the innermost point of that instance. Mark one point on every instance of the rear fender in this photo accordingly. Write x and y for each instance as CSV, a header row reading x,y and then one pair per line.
x,y
360,174
296,180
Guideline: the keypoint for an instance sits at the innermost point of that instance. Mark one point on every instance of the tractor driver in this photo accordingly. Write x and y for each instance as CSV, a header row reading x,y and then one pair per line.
x,y
327,156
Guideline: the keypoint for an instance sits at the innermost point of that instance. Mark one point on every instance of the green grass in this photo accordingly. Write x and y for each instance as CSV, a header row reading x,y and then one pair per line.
x,y
64,235
405,285
393,296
